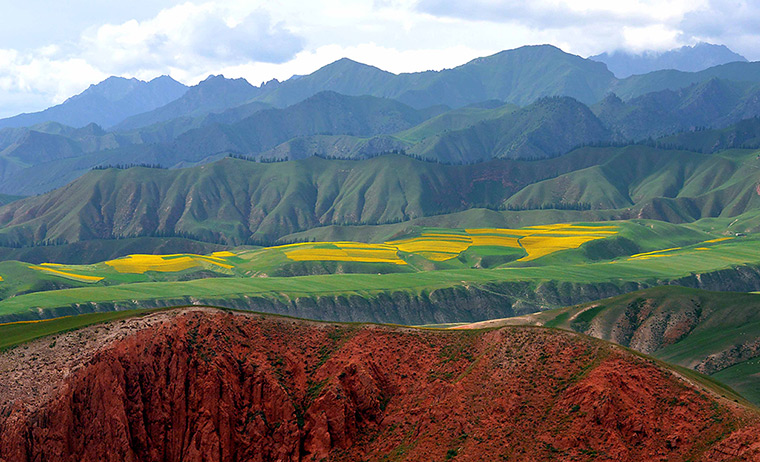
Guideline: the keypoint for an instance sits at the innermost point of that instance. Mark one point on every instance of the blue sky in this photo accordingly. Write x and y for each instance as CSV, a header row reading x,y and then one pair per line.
x,y
52,50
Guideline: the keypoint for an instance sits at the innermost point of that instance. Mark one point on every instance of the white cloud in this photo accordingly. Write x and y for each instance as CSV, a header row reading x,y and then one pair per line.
x,y
655,37
39,80
188,41
389,59
261,40
586,26
190,37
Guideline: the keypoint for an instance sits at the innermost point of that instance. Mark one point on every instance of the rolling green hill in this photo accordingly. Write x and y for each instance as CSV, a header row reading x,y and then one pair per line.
x,y
324,113
742,135
37,162
235,201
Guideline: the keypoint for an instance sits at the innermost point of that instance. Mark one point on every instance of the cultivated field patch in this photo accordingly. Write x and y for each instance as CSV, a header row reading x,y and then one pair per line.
x,y
138,264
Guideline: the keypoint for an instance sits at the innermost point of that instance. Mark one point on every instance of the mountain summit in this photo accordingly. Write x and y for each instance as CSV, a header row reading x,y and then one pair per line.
x,y
688,58
106,103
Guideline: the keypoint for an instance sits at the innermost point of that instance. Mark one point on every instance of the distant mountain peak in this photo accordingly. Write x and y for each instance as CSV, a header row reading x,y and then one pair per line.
x,y
105,103
217,80
693,58
348,64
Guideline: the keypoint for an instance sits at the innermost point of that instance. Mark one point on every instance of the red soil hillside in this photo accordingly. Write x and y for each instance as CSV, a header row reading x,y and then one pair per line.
x,y
205,385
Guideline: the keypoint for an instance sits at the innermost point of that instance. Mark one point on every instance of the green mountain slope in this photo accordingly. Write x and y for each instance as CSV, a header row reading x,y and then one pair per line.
x,y
324,113
548,128
263,129
235,201
638,85
519,76
456,119
714,103
744,134
672,185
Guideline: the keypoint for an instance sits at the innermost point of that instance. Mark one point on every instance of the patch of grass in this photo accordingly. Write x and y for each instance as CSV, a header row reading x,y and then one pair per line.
x,y
18,333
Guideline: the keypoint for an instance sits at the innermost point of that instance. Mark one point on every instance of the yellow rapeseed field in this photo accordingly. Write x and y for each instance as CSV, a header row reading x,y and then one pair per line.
x,y
66,274
646,255
570,226
498,241
223,253
537,241
499,231
434,246
721,239
539,245
138,264
344,251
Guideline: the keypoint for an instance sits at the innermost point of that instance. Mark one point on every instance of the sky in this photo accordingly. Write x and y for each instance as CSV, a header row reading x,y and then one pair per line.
x,y
51,50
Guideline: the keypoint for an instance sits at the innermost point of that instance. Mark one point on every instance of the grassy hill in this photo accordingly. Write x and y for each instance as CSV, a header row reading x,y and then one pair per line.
x,y
638,85
744,134
36,162
235,201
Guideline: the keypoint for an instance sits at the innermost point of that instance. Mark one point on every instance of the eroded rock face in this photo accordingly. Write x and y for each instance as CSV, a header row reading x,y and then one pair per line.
x,y
205,385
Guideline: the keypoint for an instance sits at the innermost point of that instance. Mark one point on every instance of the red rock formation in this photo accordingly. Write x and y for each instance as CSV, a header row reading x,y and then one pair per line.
x,y
213,386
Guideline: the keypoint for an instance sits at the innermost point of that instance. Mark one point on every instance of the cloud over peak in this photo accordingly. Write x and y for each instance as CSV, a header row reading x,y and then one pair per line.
x,y
258,40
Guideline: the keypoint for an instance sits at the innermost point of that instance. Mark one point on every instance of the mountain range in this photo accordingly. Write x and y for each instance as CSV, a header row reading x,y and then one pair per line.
x,y
235,202
106,103
491,107
497,107
687,58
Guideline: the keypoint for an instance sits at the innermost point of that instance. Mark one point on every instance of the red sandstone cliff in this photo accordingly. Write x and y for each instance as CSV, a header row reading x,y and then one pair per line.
x,y
213,386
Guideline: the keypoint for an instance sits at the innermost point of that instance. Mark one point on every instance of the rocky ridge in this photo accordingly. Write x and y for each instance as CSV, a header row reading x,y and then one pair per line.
x,y
203,384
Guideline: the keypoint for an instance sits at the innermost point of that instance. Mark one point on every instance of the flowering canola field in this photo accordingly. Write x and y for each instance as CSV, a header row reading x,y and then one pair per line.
x,y
48,268
344,251
536,241
138,264
431,244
